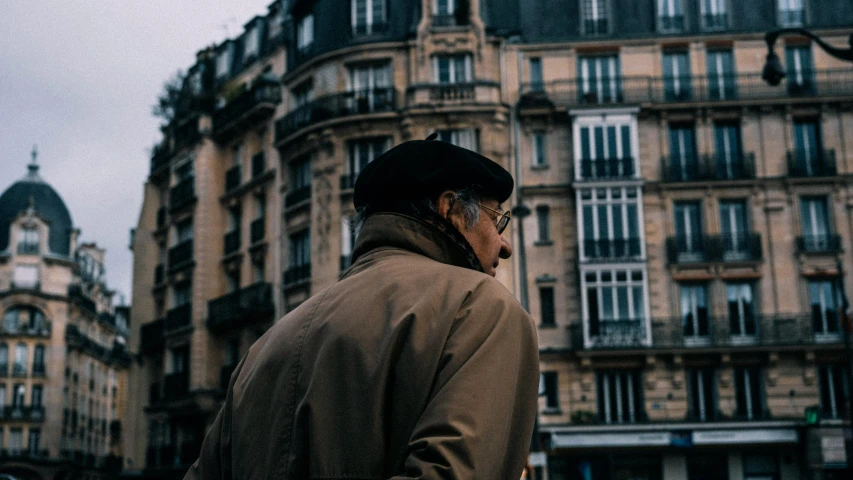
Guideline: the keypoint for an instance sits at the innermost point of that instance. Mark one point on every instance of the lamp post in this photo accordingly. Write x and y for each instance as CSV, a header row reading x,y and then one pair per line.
x,y
773,73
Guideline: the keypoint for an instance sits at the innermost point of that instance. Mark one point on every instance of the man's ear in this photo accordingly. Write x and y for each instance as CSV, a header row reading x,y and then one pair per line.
x,y
447,207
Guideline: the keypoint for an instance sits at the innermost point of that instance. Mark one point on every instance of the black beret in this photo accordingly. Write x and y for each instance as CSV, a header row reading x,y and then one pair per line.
x,y
420,168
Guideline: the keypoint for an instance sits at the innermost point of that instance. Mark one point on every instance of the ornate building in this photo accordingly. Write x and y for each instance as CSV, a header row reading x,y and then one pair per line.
x,y
687,219
63,359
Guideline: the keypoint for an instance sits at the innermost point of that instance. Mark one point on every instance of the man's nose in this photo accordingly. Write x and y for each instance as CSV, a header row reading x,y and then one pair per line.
x,y
506,249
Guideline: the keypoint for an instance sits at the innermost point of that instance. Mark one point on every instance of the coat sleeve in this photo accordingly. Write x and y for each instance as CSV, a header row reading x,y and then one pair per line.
x,y
478,422
214,461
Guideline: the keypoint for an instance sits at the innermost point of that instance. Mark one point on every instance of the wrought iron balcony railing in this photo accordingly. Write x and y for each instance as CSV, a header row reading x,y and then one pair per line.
x,y
607,169
297,274
607,249
682,89
812,164
182,194
339,105
298,195
181,254
178,318
692,168
714,248
610,334
255,103
826,243
238,308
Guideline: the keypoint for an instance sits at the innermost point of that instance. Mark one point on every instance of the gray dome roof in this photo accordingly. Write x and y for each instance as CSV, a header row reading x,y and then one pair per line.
x,y
47,203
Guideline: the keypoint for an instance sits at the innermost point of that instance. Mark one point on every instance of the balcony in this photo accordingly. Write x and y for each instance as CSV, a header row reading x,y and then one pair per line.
x,y
181,254
225,376
251,106
360,102
607,169
152,336
176,385
298,195
569,93
594,27
297,274
811,164
610,334
179,134
239,308
600,250
825,243
671,23
714,249
365,29
182,194
453,94
78,296
761,330
32,413
259,164
232,242
708,168
714,21
178,318
233,178
258,230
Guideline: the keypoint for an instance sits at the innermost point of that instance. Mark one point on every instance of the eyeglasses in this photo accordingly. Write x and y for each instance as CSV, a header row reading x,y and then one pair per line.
x,y
501,220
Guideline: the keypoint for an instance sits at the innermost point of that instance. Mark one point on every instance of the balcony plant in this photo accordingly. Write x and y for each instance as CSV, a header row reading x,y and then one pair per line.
x,y
583,417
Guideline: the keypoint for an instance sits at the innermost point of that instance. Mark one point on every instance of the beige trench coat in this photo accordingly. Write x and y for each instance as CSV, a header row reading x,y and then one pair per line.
x,y
411,366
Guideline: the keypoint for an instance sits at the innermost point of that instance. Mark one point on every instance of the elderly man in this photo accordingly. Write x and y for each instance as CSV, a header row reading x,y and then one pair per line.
x,y
416,364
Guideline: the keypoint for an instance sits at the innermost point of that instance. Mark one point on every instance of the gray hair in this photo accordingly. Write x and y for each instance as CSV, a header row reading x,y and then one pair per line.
x,y
467,201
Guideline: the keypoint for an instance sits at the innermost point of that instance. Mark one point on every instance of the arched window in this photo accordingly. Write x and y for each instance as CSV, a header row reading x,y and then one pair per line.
x,y
20,368
23,317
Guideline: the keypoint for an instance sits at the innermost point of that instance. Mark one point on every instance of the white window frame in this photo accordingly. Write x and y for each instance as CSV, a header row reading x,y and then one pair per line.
x,y
619,378
714,8
461,137
599,63
29,239
467,76
629,195
370,20
600,285
616,119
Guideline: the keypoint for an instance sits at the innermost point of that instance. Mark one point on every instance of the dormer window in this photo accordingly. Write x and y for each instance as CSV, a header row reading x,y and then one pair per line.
x,y
368,16
305,33
223,62
251,43
28,241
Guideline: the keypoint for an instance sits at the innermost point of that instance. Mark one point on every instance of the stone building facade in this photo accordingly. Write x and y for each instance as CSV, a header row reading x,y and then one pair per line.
x,y
63,353
682,223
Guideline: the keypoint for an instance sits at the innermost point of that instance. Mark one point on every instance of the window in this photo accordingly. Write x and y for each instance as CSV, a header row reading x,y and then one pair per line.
x,y
16,441
234,218
465,138
817,229
302,95
734,229
2,396
38,360
694,313
825,303
223,61
543,224
689,241
4,358
834,391
21,360
713,14
749,394
11,319
36,399
232,280
676,76
605,151
546,306
727,142
594,17
251,42
370,85
28,241
615,302
536,84
670,16
791,13
740,299
258,271
683,163
26,276
452,68
540,157
368,16
305,33
183,231
760,467
722,81
620,397
551,386
19,394
808,150
179,359
702,394
444,7
599,79
362,152
610,220
300,249
181,294
300,174
799,70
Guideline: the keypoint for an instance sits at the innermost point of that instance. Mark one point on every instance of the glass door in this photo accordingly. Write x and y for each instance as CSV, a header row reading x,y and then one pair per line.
x,y
728,151
741,305
825,305
688,231
734,230
694,314
683,164
721,75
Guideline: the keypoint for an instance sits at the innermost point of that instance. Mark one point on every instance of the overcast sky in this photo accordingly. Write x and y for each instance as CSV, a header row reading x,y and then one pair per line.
x,y
78,78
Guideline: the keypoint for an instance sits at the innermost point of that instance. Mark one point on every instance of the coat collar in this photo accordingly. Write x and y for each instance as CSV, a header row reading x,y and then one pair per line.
x,y
432,237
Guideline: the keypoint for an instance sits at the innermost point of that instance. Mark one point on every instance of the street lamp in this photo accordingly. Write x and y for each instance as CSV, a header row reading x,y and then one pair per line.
x,y
773,73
